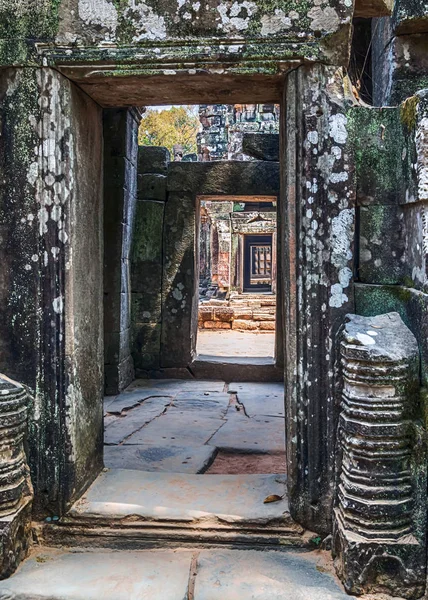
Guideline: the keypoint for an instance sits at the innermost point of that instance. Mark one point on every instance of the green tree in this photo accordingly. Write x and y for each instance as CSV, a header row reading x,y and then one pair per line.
x,y
177,125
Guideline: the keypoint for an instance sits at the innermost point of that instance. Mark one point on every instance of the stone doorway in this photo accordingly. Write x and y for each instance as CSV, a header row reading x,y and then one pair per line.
x,y
238,257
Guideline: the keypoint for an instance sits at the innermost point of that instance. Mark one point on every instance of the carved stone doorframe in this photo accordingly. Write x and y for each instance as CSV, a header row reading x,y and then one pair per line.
x,y
317,222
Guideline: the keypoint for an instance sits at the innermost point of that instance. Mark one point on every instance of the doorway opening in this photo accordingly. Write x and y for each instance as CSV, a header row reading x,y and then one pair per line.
x,y
237,277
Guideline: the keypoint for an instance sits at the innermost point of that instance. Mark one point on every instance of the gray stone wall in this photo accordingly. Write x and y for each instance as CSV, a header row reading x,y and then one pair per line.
x,y
400,53
51,287
147,258
120,189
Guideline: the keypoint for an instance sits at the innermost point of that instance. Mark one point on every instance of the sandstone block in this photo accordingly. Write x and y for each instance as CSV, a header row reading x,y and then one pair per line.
x,y
267,325
216,325
244,325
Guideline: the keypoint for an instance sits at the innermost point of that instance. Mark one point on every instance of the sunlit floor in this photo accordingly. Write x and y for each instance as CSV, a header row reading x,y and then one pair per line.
x,y
195,426
251,344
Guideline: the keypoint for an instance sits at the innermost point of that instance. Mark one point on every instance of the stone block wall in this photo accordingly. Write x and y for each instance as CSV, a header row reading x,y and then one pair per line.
x,y
225,125
147,257
120,189
400,53
391,160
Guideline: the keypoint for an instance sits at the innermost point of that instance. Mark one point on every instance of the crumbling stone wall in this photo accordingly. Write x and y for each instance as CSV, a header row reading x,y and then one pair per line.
x,y
224,127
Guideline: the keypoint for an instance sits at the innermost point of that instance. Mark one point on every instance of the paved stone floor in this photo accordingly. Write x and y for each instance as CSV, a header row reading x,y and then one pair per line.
x,y
181,426
214,574
250,344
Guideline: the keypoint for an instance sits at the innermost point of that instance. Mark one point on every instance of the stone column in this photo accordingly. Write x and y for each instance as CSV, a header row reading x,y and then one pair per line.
x,y
380,515
147,257
120,190
16,492
317,221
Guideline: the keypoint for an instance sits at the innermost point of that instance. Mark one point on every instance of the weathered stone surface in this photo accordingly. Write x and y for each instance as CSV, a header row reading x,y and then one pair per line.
x,y
231,177
120,178
120,428
153,159
318,217
179,297
58,575
231,499
378,262
243,434
16,492
146,346
262,146
167,459
384,156
411,304
151,186
410,16
380,516
373,8
172,429
238,575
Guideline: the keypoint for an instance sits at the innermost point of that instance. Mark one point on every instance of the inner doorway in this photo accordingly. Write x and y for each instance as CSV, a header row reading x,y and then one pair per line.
x,y
237,278
258,263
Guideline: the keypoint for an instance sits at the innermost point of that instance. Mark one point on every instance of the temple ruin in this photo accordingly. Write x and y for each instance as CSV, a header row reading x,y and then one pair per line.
x,y
131,464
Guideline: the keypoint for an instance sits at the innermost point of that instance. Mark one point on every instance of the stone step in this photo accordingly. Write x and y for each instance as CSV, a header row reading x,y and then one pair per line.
x,y
211,574
135,509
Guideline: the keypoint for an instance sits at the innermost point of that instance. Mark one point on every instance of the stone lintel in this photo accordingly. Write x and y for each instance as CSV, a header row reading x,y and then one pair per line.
x,y
373,8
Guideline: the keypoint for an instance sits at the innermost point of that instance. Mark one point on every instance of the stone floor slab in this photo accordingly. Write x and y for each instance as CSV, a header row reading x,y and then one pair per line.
x,y
108,575
179,385
118,493
257,404
266,388
243,434
255,575
119,428
132,399
177,428
160,458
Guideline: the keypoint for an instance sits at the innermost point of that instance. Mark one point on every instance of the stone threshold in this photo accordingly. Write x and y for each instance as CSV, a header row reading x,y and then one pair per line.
x,y
135,509
256,369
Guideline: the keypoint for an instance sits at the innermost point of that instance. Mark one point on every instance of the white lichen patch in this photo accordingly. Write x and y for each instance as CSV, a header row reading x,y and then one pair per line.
x,y
324,19
58,305
275,23
149,25
236,17
337,128
422,160
99,12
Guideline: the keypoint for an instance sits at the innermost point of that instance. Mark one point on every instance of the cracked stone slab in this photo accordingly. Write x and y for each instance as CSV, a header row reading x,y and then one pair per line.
x,y
259,404
128,400
57,575
178,385
244,434
267,389
256,575
159,458
177,428
232,499
209,406
119,428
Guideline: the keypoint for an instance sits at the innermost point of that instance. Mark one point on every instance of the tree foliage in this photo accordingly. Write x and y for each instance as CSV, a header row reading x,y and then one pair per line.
x,y
177,125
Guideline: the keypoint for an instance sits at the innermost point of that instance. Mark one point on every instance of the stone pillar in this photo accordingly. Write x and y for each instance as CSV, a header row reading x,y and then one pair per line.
x,y
51,286
317,221
120,189
380,514
16,492
146,258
